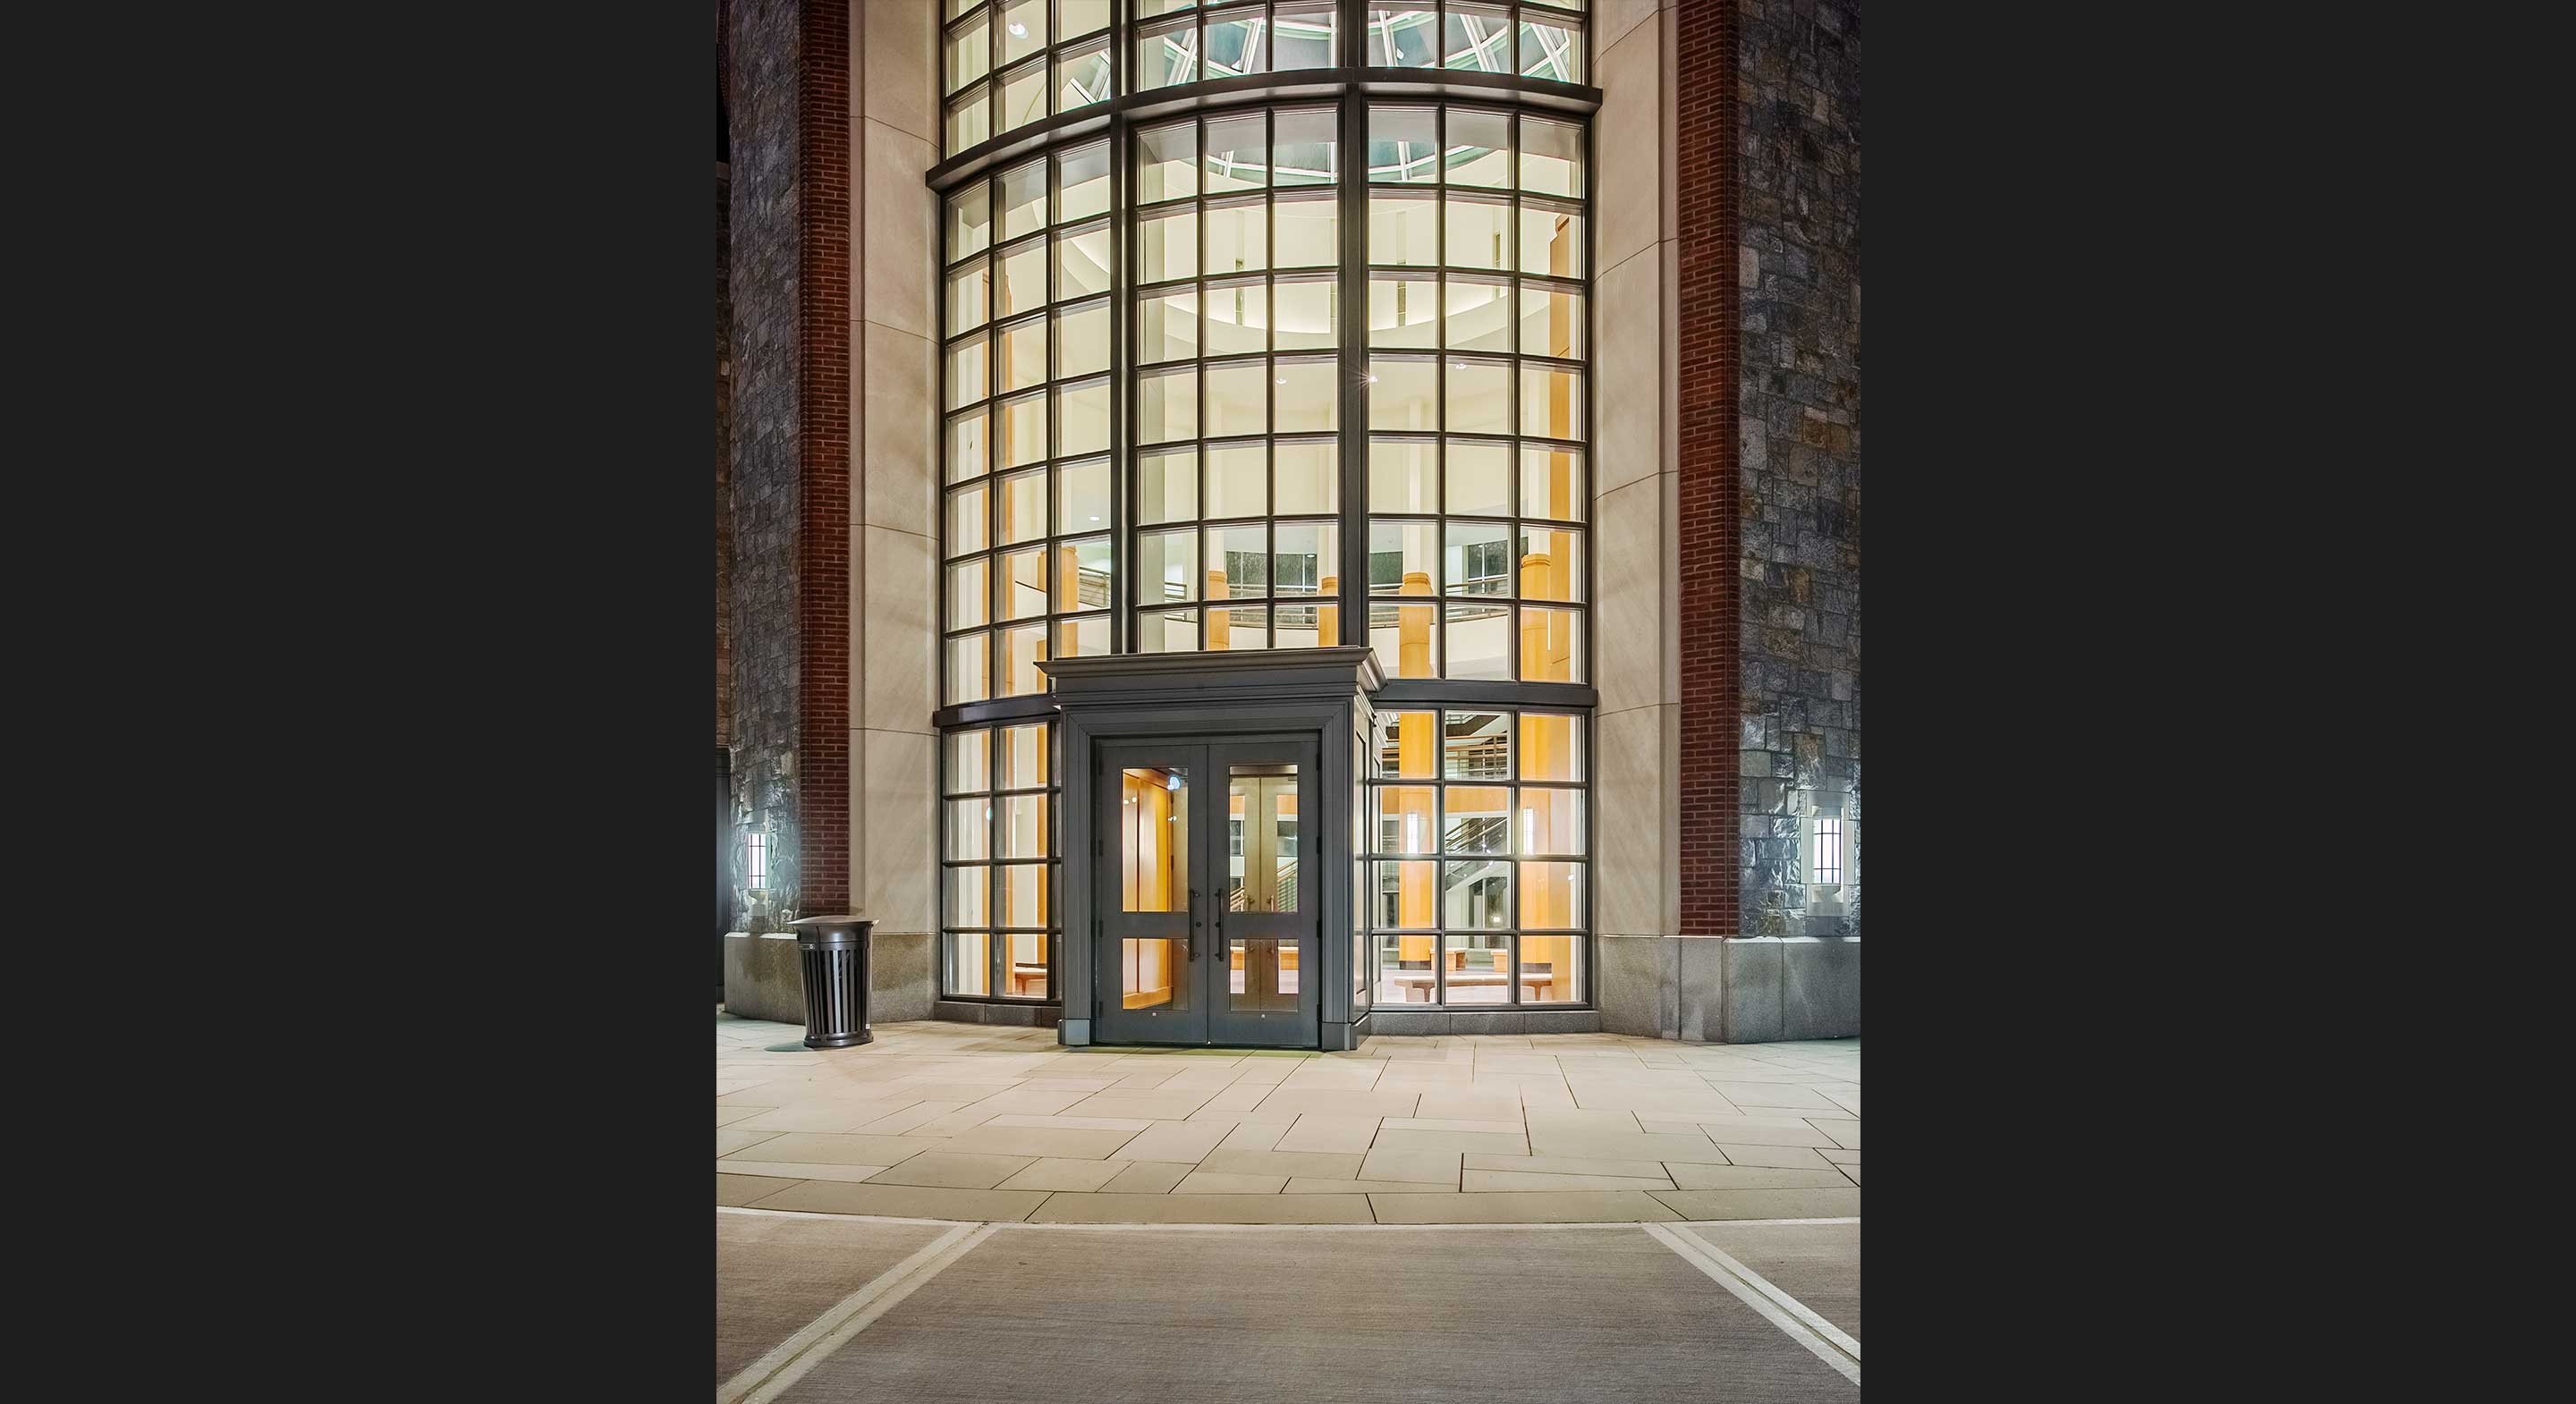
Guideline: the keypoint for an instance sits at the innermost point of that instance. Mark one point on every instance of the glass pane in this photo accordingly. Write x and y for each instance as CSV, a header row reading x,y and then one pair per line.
x,y
1477,559
1167,162
970,829
1552,402
1306,317
1082,263
1403,38
1081,79
969,291
1082,496
1167,406
967,381
1400,475
1304,150
1082,182
968,454
1262,975
1021,830
967,966
1238,154
969,54
1551,241
969,604
1154,839
1308,234
1404,233
1238,481
1478,966
968,669
1167,326
969,121
1167,246
1302,37
970,761
1309,393
1479,482
1082,575
1480,398
1404,142
1553,52
1552,484
1076,18
1406,638
1084,636
1024,430
969,895
1405,812
1238,399
1028,892
1551,157
1400,557
1238,562
1237,46
1480,642
970,220
1082,340
1551,747
1551,821
1479,234
1305,626
1019,584
1404,312
967,520
1475,819
1238,318
1477,746
1168,631
1238,238
1476,895
1238,628
1551,645
1552,894
1022,286
1167,566
1167,487
1403,893
1023,200
1024,954
1151,975
1551,967
1025,762
1021,649
1167,56
1023,358
1403,393
1024,29
1480,316
1480,146
1309,477
1261,839
1551,564
1082,419
1408,749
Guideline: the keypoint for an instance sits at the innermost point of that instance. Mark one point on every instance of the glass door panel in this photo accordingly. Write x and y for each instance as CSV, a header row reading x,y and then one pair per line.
x,y
1148,958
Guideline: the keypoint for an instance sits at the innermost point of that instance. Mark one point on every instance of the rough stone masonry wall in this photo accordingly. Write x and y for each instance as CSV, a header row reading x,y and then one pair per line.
x,y
765,52
1798,149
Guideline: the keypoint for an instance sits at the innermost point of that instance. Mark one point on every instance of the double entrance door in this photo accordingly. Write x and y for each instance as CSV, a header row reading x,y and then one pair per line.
x,y
1208,923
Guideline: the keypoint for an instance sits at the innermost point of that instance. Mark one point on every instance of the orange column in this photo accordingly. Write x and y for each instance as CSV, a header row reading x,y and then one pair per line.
x,y
1220,629
1328,617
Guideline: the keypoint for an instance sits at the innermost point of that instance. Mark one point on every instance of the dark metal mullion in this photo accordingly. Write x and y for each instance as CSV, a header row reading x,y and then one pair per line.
x,y
1122,361
1351,355
1512,416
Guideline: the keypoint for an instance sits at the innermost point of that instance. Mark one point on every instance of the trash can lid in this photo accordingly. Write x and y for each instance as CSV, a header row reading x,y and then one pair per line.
x,y
832,930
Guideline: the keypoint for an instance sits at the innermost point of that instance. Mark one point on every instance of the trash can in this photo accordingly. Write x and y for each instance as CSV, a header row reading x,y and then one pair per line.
x,y
834,952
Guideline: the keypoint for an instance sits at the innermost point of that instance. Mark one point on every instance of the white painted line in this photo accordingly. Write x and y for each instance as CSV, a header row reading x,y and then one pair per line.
x,y
1795,1308
844,1218
1698,1255
786,1363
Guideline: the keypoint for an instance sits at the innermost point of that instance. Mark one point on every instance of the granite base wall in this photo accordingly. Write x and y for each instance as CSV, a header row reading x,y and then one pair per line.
x,y
1752,989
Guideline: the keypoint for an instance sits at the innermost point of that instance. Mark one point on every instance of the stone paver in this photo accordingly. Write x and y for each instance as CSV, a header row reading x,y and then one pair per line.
x,y
960,1121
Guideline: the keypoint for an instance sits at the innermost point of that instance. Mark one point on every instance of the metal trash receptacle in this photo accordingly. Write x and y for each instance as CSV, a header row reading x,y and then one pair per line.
x,y
834,953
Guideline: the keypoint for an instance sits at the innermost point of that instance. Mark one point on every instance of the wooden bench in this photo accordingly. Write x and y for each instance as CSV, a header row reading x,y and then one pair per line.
x,y
1417,984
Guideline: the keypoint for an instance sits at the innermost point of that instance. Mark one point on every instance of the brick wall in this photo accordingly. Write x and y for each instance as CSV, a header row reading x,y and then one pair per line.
x,y
1707,357
764,49
1797,68
823,431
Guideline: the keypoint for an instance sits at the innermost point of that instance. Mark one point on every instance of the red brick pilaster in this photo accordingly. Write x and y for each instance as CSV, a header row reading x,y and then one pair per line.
x,y
1709,186
823,536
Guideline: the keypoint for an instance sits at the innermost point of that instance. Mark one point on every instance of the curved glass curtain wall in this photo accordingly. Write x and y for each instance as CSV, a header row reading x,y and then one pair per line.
x,y
1220,516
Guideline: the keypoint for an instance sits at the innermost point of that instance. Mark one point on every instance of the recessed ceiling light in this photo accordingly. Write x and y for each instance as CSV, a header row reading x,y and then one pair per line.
x,y
1019,30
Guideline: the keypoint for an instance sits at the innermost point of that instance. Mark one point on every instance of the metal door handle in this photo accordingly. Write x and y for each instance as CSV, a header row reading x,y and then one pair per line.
x,y
1194,923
